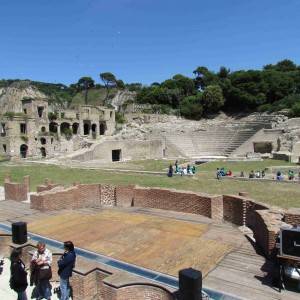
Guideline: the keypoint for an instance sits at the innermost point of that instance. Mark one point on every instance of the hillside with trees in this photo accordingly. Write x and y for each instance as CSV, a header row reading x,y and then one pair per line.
x,y
275,87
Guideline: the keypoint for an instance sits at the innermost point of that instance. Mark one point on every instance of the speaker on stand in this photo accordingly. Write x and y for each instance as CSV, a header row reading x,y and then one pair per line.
x,y
19,233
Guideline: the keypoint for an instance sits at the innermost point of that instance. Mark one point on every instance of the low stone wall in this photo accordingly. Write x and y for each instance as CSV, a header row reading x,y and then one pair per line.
x,y
292,216
16,191
47,186
267,225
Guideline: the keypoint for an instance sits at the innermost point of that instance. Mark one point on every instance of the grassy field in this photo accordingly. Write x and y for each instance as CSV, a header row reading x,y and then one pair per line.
x,y
275,193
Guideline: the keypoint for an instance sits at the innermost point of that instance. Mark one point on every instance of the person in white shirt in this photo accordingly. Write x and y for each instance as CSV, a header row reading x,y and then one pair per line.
x,y
42,257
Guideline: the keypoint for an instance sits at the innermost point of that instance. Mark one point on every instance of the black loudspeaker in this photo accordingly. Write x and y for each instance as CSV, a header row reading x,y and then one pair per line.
x,y
190,284
290,241
19,233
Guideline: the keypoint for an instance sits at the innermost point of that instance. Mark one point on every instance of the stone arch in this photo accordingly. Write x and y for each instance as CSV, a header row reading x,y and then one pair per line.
x,y
75,128
43,141
53,127
23,150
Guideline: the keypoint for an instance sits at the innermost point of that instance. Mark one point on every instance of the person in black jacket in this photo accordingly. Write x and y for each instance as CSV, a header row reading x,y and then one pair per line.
x,y
18,275
65,267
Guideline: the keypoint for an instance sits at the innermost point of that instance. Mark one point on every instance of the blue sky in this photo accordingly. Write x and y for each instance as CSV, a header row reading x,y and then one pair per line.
x,y
143,40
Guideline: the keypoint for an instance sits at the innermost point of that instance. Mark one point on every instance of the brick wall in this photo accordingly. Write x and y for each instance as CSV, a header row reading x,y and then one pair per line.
x,y
292,216
143,292
16,191
124,195
233,207
173,200
266,227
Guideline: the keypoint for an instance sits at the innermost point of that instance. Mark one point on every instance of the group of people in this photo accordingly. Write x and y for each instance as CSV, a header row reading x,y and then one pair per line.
x,y
223,172
256,174
41,272
188,170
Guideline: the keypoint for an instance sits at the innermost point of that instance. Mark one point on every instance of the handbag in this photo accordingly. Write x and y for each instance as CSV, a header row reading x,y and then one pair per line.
x,y
45,273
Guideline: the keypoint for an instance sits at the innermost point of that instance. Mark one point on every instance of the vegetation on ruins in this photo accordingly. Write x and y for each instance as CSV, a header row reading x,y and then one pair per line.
x,y
275,87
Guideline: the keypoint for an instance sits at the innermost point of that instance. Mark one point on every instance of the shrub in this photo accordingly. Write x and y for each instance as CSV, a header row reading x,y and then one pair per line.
x,y
120,118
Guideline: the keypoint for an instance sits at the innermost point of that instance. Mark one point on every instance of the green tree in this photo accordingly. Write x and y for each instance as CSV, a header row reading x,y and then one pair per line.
x,y
212,98
191,108
109,81
204,77
85,83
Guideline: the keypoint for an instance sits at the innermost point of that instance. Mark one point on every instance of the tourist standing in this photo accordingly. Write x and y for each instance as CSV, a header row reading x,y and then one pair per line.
x,y
18,275
41,262
65,267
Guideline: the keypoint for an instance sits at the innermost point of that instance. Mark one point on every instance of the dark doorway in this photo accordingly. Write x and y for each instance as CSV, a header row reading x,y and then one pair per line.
x,y
40,110
23,151
86,128
43,141
75,127
262,147
43,152
94,130
116,155
53,127
102,128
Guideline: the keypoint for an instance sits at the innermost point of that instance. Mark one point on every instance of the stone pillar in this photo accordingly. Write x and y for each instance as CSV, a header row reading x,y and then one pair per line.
x,y
217,208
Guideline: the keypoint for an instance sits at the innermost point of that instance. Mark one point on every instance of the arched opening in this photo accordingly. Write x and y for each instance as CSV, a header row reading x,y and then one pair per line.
x,y
23,151
94,130
66,130
75,127
43,152
43,129
43,141
102,128
53,127
86,128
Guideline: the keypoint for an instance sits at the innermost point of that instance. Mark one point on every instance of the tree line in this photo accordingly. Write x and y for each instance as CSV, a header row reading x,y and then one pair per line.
x,y
273,88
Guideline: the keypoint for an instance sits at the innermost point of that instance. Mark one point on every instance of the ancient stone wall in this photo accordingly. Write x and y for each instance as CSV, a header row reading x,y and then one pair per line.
x,y
292,216
16,191
173,200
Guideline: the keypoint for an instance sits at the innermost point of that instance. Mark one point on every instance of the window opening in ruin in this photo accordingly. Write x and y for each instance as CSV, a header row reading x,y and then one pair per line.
x,y
35,139
43,152
94,130
53,127
2,129
86,129
43,129
111,114
51,141
23,128
116,154
4,147
262,147
102,128
23,151
25,111
43,141
75,127
40,110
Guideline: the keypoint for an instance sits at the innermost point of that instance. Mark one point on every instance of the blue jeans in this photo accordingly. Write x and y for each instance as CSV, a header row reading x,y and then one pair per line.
x,y
44,289
22,295
64,288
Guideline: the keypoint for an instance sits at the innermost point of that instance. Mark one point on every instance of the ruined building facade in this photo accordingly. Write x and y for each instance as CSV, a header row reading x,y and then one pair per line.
x,y
38,132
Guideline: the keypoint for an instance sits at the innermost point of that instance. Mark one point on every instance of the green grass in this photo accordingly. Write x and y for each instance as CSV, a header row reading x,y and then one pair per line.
x,y
274,193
